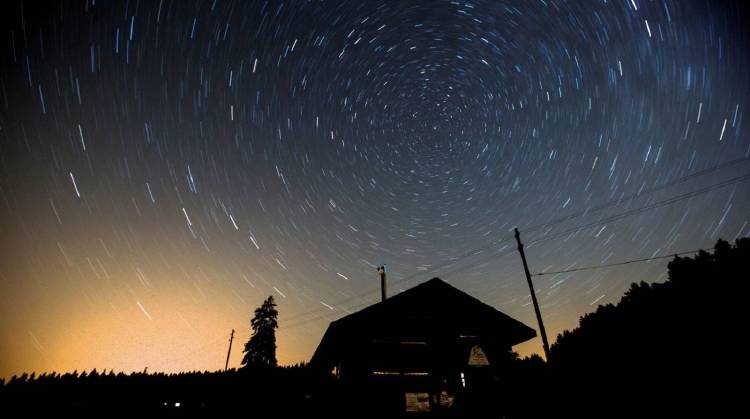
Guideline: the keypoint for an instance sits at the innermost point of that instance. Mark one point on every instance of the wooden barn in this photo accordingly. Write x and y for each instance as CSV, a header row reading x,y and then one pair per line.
x,y
428,348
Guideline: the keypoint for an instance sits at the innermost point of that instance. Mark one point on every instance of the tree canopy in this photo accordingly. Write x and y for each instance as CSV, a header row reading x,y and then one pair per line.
x,y
260,350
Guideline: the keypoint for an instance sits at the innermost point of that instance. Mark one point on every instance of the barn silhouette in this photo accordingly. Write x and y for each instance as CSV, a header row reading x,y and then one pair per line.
x,y
429,348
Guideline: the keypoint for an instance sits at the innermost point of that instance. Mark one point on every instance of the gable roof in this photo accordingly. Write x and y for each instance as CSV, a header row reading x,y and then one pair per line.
x,y
433,308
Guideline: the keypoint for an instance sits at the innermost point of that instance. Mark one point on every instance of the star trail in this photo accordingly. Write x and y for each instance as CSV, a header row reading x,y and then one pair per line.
x,y
167,165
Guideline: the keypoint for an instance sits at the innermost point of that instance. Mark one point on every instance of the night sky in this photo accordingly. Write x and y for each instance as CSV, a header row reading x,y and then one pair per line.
x,y
167,165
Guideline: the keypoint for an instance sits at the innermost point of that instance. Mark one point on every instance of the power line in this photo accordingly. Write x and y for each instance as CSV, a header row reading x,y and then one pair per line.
x,y
640,210
210,345
402,281
405,279
650,207
627,262
607,220
640,193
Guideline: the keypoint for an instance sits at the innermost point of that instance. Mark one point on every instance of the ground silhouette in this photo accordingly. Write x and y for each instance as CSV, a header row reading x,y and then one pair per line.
x,y
665,349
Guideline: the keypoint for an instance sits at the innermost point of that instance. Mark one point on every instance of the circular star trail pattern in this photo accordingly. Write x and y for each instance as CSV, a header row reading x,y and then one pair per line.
x,y
166,165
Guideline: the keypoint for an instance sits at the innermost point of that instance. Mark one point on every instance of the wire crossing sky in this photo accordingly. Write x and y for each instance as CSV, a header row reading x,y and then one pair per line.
x,y
167,165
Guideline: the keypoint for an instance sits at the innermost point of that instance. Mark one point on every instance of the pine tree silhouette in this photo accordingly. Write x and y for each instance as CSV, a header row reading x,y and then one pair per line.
x,y
260,350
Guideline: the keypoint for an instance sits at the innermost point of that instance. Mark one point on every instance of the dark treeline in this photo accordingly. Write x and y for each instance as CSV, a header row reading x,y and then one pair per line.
x,y
665,349
262,389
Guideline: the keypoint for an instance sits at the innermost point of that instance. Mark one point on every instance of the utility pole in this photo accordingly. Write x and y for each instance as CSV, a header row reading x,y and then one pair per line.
x,y
533,296
231,338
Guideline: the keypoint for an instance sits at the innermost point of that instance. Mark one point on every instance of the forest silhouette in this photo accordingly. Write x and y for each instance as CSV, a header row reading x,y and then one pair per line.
x,y
667,348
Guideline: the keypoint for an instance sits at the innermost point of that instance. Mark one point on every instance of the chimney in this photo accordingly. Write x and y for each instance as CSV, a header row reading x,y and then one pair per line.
x,y
381,272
